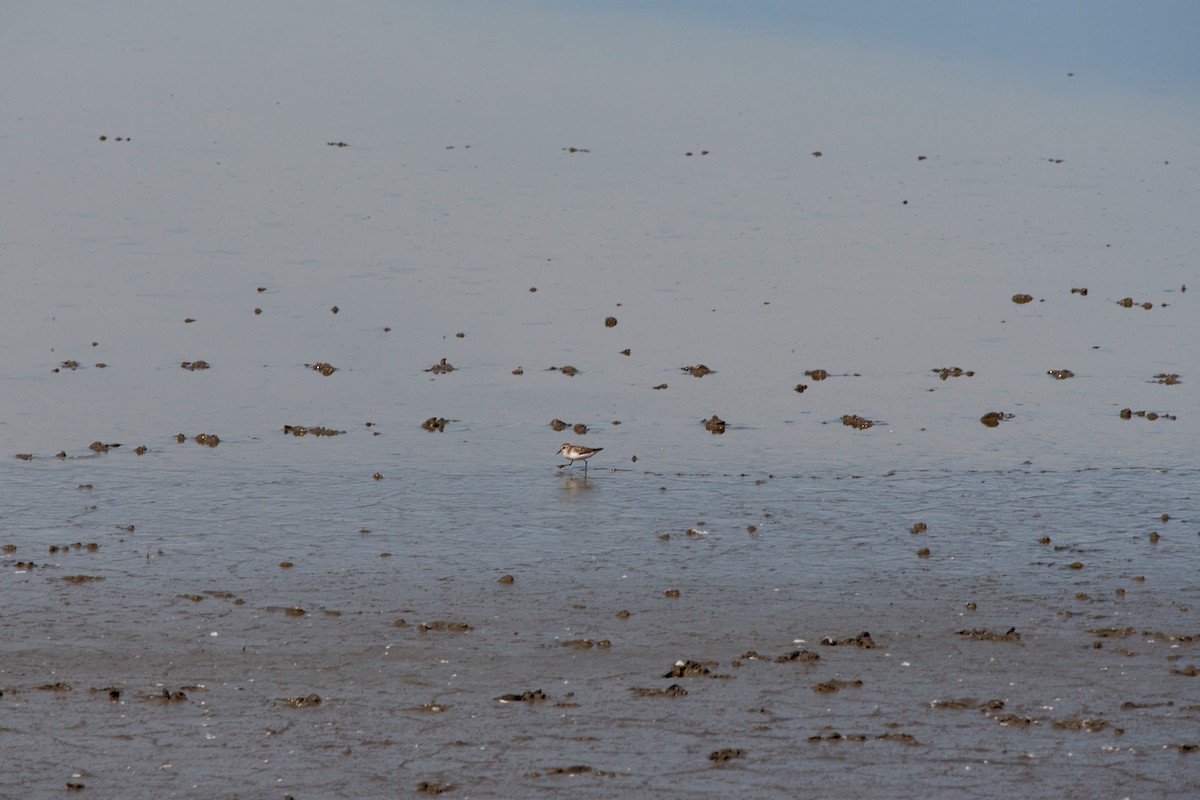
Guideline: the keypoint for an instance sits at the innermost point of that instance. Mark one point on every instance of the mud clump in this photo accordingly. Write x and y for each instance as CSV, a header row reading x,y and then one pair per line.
x,y
1111,633
798,656
1129,413
1071,724
674,690
574,769
687,669
984,635
993,419
1129,302
863,640
1022,299
698,370
588,644
534,696
835,685
944,373
855,421
903,738
834,736
714,425
441,367
316,430
1014,720
442,625
610,322
428,787
968,702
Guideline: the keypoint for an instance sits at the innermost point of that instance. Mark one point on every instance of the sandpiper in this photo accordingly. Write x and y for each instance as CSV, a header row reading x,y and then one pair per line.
x,y
576,452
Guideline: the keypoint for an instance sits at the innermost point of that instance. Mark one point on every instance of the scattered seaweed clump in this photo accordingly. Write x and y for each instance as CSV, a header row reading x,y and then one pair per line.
x,y
316,430
1129,413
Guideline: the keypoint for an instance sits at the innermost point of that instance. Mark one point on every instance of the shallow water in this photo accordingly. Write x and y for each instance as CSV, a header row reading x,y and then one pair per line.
x,y
758,259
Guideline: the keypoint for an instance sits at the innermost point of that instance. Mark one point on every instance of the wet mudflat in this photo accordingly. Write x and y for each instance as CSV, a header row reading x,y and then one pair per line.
x,y
391,653
883,502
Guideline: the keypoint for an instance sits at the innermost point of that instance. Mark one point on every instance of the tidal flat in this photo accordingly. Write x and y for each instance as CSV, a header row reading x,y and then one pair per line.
x,y
889,355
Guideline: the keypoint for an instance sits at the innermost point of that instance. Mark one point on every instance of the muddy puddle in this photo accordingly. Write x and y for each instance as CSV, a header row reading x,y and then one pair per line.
x,y
883,502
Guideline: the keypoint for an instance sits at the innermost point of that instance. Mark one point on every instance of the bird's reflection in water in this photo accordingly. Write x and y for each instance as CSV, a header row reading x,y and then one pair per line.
x,y
575,483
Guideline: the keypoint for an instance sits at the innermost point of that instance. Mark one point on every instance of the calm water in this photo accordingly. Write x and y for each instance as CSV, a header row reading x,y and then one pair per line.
x,y
456,195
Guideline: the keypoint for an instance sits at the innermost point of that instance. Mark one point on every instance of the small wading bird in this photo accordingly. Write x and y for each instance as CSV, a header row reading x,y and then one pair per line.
x,y
575,452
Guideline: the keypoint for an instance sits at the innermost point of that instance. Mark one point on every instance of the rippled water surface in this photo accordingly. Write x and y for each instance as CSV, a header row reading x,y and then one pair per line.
x,y
764,203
